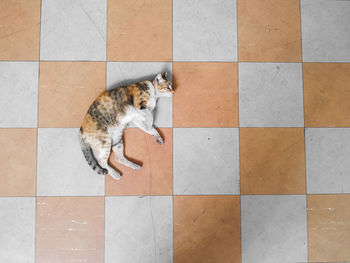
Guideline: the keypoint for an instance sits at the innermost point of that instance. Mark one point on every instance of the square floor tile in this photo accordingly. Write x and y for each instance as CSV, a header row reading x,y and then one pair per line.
x,y
62,168
269,30
155,176
325,29
329,228
19,94
66,91
272,160
205,95
139,229
206,161
20,26
139,30
327,160
17,227
274,229
70,229
17,162
207,229
73,30
270,95
205,30
126,73
326,94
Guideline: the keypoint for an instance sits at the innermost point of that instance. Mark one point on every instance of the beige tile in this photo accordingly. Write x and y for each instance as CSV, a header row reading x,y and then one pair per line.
x,y
155,176
269,30
326,94
66,90
19,31
272,160
205,95
207,229
329,228
139,30
70,229
17,162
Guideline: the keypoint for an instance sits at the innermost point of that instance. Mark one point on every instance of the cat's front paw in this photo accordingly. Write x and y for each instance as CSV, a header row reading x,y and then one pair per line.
x,y
159,139
136,167
115,175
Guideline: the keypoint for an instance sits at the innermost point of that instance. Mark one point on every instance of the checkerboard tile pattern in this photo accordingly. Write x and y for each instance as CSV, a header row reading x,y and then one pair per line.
x,y
256,161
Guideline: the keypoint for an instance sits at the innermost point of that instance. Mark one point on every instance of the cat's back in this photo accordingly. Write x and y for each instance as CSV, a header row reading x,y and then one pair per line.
x,y
107,109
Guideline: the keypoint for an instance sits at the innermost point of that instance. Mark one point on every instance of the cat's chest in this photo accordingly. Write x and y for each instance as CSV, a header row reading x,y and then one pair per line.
x,y
151,104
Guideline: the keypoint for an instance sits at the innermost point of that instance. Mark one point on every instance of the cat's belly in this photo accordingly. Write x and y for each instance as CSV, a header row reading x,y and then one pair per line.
x,y
116,131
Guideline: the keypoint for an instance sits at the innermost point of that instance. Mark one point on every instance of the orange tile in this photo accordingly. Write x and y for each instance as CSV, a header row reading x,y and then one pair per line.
x,y
207,229
139,30
155,176
66,90
205,95
70,229
269,30
272,160
329,228
17,162
20,26
326,94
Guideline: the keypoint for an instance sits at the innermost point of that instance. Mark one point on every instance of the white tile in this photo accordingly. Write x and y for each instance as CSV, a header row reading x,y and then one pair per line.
x,y
62,168
126,73
204,30
325,30
19,94
327,160
17,228
206,161
270,95
73,30
274,229
139,229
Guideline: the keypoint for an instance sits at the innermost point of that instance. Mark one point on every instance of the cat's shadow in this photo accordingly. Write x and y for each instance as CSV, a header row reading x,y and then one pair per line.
x,y
129,81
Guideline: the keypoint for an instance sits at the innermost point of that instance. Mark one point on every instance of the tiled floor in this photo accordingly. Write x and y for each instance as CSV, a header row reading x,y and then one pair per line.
x,y
256,162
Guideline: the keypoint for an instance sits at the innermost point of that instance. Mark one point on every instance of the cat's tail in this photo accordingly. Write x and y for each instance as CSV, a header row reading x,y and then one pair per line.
x,y
90,157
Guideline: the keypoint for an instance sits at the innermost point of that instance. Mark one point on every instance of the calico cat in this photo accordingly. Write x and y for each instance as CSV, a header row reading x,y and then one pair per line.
x,y
103,125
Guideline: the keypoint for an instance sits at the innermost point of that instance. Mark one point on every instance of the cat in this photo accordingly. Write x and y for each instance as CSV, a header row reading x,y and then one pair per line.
x,y
103,125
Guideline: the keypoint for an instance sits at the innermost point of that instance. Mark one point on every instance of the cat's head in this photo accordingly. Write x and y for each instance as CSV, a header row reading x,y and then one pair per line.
x,y
162,85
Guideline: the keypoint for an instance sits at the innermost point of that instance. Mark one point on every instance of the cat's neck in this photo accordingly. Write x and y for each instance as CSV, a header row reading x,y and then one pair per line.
x,y
152,89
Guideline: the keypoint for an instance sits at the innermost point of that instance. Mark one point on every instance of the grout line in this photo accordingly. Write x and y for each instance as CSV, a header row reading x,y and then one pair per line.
x,y
172,127
180,61
186,127
239,139
104,229
175,195
235,194
37,141
261,127
241,223
105,179
302,84
237,29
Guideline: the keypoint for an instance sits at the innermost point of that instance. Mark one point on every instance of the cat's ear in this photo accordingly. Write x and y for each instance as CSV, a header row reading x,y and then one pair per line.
x,y
165,75
158,78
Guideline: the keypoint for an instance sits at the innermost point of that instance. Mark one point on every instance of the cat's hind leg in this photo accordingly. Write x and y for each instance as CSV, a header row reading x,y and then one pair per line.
x,y
102,154
118,149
